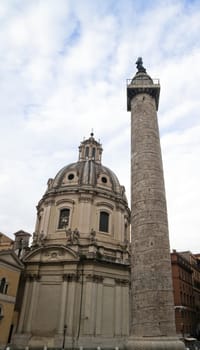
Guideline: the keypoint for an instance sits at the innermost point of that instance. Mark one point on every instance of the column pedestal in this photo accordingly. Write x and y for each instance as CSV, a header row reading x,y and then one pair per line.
x,y
154,343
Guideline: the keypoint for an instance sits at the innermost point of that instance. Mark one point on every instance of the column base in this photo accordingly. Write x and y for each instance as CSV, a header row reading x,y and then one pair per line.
x,y
21,340
154,343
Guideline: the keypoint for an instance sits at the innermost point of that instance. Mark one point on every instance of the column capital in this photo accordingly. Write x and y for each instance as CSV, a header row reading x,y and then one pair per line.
x,y
70,277
33,277
94,278
121,282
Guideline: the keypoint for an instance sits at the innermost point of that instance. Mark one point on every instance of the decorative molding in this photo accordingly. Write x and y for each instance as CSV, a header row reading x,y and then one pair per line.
x,y
8,298
121,282
88,198
93,239
63,201
54,254
40,210
94,278
105,204
71,277
72,236
38,238
49,202
120,206
33,277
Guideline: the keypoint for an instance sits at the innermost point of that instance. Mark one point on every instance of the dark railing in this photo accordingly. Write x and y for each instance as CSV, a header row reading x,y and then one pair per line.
x,y
143,82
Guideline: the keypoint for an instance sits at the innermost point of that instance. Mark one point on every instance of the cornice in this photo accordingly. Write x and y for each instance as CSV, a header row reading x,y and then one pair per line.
x,y
90,192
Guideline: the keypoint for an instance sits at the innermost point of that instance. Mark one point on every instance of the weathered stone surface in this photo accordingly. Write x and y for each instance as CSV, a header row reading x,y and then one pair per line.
x,y
155,343
151,270
77,275
152,308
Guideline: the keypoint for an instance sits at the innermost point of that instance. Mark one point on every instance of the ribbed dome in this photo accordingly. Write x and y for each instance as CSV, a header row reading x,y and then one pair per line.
x,y
85,196
88,173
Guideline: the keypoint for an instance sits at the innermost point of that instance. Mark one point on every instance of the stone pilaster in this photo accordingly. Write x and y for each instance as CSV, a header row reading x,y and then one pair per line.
x,y
34,280
89,303
63,304
98,326
71,303
24,306
118,306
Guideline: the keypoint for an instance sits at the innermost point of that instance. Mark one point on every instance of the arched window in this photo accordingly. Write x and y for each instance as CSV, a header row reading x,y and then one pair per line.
x,y
64,218
104,221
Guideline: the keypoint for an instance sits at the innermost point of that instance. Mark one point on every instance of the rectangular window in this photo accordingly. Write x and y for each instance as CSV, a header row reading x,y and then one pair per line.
x,y
93,152
87,152
104,221
1,312
64,218
6,289
3,285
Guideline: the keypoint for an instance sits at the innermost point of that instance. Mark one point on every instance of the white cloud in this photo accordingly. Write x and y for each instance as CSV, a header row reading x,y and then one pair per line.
x,y
182,172
63,72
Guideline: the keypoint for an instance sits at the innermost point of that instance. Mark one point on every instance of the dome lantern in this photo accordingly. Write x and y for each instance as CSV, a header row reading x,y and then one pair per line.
x,y
90,149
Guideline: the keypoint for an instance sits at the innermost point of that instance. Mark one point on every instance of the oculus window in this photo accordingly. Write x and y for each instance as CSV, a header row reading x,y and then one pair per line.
x,y
104,221
104,179
64,218
70,176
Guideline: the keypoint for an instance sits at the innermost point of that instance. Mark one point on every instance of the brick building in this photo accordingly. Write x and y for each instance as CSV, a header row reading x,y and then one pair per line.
x,y
185,274
194,260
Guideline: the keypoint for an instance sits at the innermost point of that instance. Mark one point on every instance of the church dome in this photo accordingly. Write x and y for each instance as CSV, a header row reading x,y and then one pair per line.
x,y
84,197
87,173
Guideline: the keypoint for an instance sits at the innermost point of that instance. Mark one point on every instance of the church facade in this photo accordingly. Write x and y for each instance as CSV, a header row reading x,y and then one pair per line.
x,y
77,271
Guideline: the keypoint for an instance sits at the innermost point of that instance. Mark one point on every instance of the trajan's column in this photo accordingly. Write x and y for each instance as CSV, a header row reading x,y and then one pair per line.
x,y
152,308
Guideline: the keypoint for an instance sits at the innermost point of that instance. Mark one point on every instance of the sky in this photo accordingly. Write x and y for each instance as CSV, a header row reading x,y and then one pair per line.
x,y
63,71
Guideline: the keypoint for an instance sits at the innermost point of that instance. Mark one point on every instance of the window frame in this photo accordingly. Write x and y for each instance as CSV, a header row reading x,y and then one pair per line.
x,y
1,312
93,152
63,227
87,151
107,223
3,286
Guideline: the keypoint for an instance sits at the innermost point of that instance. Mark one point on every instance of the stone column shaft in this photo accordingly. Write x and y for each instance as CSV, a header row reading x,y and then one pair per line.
x,y
153,312
152,304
